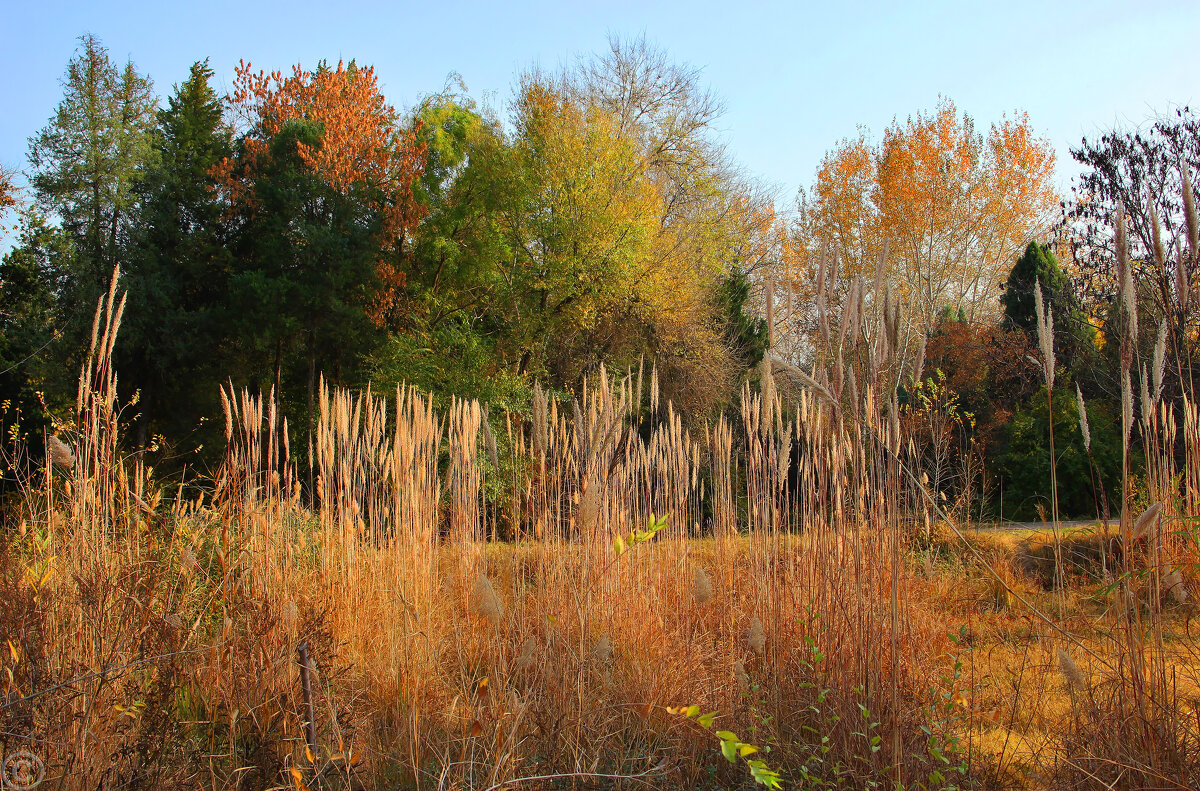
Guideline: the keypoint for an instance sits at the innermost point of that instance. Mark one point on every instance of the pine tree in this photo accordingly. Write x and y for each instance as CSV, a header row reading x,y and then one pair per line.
x,y
85,163
178,268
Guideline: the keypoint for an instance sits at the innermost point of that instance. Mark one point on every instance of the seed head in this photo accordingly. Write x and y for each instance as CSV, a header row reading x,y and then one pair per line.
x,y
702,589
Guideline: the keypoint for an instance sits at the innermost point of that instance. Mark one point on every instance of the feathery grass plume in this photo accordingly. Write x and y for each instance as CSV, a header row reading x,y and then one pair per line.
x,y
756,636
1189,214
291,615
1147,402
1182,281
187,559
702,590
1125,275
1070,670
602,651
588,516
487,603
60,453
1160,359
1045,334
1173,585
1146,522
528,654
227,408
1083,419
741,676
1156,239
489,440
919,361
803,379
770,314
1127,404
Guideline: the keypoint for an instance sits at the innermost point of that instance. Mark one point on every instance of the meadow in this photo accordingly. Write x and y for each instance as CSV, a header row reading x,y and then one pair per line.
x,y
589,595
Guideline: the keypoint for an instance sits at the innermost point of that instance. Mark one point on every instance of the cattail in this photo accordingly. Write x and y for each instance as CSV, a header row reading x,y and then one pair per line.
x,y
60,453
1083,420
741,676
487,603
1070,670
602,650
756,636
701,587
1146,522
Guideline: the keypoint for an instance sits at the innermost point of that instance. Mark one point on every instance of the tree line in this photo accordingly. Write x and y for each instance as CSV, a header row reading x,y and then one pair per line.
x,y
302,227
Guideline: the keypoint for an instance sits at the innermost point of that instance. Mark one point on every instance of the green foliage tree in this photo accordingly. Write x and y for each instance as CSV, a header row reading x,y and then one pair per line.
x,y
746,333
305,267
30,276
1087,479
85,163
446,335
174,343
1039,266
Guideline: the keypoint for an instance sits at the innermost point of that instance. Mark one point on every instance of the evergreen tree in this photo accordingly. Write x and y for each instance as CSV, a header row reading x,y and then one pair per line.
x,y
85,163
173,345
1039,266
29,279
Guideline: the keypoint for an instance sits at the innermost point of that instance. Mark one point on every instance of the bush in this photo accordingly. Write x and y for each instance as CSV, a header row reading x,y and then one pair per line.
x,y
1088,480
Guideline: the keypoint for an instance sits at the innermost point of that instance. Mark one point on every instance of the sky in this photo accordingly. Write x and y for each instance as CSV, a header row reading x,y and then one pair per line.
x,y
796,77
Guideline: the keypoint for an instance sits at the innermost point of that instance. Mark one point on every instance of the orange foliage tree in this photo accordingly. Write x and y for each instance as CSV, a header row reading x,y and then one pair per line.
x,y
8,195
951,207
364,151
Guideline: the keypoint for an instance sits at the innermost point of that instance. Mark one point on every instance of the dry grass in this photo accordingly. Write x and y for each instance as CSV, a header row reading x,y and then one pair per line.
x,y
153,637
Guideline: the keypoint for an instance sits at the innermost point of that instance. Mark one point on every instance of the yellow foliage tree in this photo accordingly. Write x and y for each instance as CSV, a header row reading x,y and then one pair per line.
x,y
949,209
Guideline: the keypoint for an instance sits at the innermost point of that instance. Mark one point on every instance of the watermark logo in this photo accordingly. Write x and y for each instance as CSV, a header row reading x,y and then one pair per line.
x,y
21,771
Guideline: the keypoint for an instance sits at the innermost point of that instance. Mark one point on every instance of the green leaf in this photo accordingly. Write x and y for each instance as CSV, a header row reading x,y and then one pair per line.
x,y
707,719
619,545
729,750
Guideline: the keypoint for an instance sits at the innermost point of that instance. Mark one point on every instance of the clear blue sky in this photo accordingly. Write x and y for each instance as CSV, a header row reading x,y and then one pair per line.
x,y
796,77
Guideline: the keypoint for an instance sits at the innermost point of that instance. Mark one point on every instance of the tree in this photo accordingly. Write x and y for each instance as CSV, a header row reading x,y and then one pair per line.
x,y
951,207
8,193
1144,175
174,339
321,190
359,150
624,216
1140,172
30,278
85,163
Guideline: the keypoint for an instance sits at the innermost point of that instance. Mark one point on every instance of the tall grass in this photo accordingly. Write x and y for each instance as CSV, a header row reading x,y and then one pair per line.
x,y
155,637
